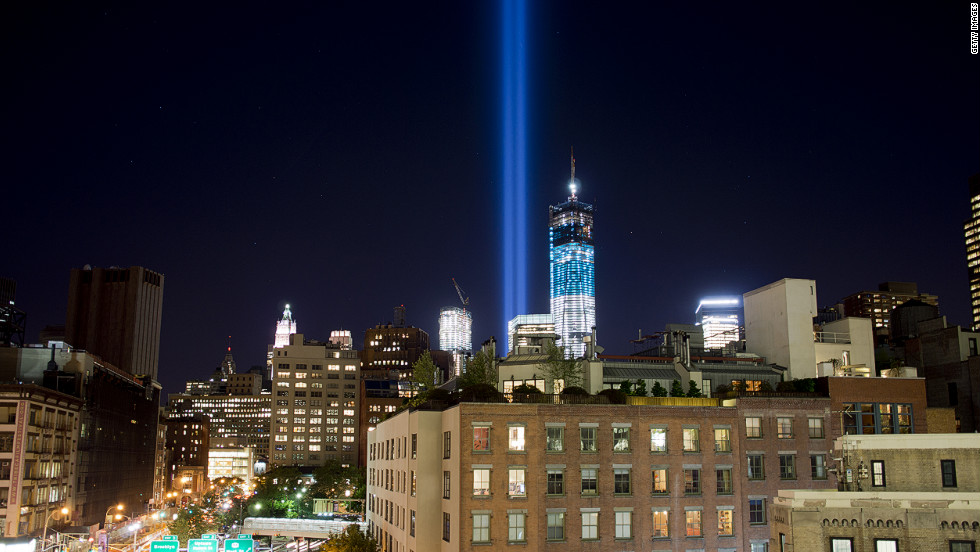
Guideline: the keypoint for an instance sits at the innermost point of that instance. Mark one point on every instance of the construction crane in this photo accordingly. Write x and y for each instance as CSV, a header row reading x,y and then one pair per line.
x,y
459,291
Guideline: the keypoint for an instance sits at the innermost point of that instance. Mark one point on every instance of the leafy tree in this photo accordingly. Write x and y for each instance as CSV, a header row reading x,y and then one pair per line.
x,y
480,370
424,372
738,386
640,389
276,493
693,390
658,390
351,539
722,389
626,386
192,522
676,389
765,386
557,367
527,389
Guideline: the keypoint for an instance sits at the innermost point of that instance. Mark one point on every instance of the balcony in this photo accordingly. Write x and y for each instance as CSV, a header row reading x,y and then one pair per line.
x,y
842,338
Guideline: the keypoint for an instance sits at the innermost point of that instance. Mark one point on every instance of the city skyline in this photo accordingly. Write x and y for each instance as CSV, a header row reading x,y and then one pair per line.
x,y
346,161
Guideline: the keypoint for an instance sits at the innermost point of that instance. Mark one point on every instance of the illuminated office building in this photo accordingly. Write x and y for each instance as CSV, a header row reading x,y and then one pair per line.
x,y
523,326
719,320
572,257
456,333
236,421
971,231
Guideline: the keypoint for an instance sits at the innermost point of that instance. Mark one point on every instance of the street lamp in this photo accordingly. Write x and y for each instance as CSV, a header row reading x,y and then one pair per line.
x,y
118,507
44,536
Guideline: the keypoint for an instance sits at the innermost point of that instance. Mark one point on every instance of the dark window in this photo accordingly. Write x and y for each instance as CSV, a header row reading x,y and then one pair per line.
x,y
953,396
692,481
949,472
962,546
621,481
756,467
556,482
446,444
757,511
445,526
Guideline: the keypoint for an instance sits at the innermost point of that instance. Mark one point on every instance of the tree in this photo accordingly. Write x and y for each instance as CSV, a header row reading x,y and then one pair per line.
x,y
658,390
676,389
481,369
276,492
765,386
351,540
424,372
693,390
557,367
192,522
640,389
625,386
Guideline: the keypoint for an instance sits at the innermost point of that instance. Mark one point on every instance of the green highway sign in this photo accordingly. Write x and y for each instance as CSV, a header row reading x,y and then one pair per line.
x,y
202,545
244,536
238,545
164,545
209,537
171,537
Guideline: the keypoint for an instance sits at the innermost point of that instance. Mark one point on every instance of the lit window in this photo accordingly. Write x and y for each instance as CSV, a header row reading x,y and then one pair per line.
x,y
481,527
590,525
661,524
692,519
723,441
784,428
621,439
725,527
481,438
555,439
515,527
660,481
481,482
658,439
691,442
515,482
841,544
886,545
877,473
624,525
515,438
753,428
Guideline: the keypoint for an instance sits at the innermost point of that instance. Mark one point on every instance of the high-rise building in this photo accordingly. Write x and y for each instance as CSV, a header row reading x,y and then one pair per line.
x,y
878,305
719,320
572,258
971,230
456,333
115,313
316,410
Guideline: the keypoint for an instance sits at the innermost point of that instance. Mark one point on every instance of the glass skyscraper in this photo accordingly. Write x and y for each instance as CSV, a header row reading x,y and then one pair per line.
x,y
572,256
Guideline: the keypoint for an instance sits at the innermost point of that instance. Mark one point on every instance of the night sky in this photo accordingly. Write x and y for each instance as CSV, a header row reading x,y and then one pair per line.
x,y
346,158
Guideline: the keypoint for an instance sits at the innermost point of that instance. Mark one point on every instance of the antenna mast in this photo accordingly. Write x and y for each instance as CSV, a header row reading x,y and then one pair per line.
x,y
571,184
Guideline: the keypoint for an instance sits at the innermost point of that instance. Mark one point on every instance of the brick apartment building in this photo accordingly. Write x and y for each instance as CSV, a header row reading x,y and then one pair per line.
x,y
680,475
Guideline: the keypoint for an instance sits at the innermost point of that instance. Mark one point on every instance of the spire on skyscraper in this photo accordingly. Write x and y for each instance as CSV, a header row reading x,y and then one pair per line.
x,y
228,366
284,328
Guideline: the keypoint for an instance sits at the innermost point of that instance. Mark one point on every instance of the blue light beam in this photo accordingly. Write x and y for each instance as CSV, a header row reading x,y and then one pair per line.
x,y
513,73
